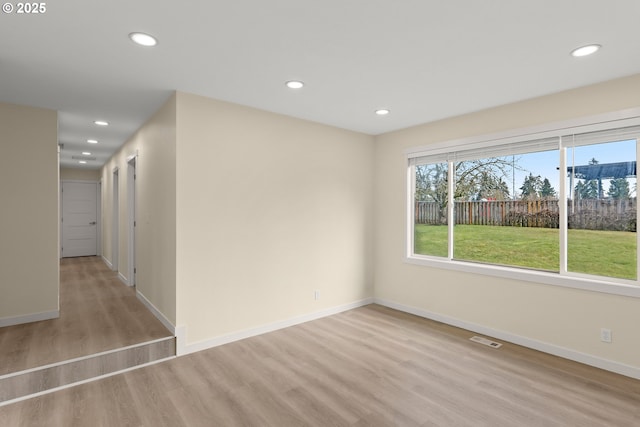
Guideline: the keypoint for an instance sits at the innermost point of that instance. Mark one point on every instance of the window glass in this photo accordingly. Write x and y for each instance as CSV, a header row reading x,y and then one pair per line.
x,y
601,209
517,202
506,210
430,204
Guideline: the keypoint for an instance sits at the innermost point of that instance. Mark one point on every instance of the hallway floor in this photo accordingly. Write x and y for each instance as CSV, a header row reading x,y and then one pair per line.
x,y
97,313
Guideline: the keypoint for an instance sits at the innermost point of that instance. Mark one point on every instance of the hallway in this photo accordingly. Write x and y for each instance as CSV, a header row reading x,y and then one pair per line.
x,y
98,313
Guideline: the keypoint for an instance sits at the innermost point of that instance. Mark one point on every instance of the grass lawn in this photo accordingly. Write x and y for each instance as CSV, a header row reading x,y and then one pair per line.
x,y
603,253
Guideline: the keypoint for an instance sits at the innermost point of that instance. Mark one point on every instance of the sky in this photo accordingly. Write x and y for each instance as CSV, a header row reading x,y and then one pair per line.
x,y
546,163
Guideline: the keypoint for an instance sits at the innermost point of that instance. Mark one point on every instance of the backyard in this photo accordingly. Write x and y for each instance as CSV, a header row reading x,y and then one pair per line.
x,y
597,252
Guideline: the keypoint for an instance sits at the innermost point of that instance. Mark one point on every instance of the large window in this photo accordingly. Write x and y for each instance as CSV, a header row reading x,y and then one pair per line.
x,y
601,211
563,202
432,194
506,210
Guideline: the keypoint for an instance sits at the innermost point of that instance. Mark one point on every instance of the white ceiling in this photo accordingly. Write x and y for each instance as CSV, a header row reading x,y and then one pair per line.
x,y
422,59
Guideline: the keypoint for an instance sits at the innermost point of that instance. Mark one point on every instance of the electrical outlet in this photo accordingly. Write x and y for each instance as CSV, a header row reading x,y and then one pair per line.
x,y
605,335
316,294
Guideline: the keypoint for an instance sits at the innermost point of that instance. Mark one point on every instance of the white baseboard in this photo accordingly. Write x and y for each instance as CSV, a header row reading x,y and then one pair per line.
x,y
152,308
28,318
107,262
181,340
121,276
123,279
587,359
183,348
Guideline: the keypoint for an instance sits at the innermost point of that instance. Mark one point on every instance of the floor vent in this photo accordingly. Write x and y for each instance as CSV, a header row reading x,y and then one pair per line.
x,y
486,342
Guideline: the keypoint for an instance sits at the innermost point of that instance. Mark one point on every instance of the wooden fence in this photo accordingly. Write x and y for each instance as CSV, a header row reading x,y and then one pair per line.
x,y
604,214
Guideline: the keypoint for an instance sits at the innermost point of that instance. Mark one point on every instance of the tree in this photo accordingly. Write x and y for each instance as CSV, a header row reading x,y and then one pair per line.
x,y
492,187
531,187
619,188
431,182
587,189
475,179
546,190
496,191
431,186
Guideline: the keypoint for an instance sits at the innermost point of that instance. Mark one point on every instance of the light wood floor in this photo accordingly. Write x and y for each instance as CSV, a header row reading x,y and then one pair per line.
x,y
370,366
97,313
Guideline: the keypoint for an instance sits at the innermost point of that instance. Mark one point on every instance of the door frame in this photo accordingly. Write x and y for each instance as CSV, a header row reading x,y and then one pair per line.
x,y
99,218
132,165
115,226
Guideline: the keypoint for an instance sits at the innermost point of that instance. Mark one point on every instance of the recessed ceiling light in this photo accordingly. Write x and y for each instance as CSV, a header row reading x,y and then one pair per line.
x,y
101,123
143,39
92,141
382,112
294,84
586,50
86,153
82,162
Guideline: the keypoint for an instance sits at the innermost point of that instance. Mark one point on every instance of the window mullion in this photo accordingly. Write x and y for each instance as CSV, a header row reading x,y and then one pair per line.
x,y
411,212
562,208
451,178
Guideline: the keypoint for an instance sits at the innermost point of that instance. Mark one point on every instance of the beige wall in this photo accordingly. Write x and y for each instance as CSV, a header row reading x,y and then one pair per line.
x,y
243,214
74,174
561,317
29,214
155,147
269,209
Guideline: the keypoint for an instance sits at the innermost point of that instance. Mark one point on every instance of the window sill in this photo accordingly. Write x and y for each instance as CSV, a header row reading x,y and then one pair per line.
x,y
629,288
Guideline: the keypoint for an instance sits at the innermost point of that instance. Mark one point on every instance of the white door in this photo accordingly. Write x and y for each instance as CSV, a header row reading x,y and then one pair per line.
x,y
79,219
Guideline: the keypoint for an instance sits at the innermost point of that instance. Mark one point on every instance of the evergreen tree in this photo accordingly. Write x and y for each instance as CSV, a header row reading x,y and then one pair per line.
x,y
531,187
546,190
587,189
619,188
